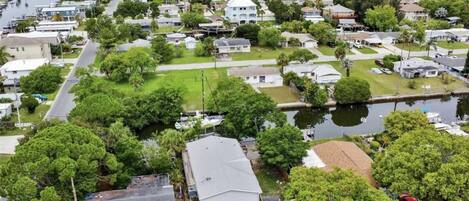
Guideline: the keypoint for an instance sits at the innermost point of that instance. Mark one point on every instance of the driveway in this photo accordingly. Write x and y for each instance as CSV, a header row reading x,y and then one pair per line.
x,y
63,102
111,7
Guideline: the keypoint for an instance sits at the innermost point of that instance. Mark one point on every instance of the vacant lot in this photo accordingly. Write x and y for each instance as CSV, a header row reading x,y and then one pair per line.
x,y
281,94
189,57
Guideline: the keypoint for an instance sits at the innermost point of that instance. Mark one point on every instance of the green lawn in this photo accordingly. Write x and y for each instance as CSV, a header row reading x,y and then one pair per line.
x,y
4,158
34,118
189,57
413,47
329,51
452,45
167,29
260,53
465,127
393,84
366,50
270,183
73,54
188,80
281,94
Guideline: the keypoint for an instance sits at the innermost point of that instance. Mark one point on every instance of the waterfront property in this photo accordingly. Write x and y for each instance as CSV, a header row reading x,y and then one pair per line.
x,y
413,12
318,73
416,67
451,63
258,76
14,70
216,168
232,45
66,13
241,11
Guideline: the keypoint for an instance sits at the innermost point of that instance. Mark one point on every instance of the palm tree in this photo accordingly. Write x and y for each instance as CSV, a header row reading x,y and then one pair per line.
x,y
430,44
347,64
340,52
282,60
4,55
261,12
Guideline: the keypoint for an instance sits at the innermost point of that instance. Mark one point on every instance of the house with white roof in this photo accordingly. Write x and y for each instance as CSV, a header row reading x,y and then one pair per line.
x,y
175,38
30,45
241,11
306,40
67,13
5,109
232,45
12,71
258,76
417,67
455,34
190,42
318,73
217,169
312,14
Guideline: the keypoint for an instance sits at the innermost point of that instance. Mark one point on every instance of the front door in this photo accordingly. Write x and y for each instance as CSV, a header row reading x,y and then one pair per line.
x,y
262,79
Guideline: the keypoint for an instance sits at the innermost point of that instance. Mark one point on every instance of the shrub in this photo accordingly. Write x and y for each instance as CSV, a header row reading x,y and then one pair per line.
x,y
352,90
45,79
30,103
412,84
389,59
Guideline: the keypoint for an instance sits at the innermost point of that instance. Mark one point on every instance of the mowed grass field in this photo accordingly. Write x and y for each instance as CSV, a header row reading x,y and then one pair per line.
x,y
281,94
383,84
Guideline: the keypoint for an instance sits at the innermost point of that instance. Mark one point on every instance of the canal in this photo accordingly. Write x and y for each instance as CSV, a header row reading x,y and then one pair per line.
x,y
20,9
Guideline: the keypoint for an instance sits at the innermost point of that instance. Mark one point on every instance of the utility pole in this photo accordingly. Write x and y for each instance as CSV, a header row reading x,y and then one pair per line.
x,y
203,93
73,190
17,105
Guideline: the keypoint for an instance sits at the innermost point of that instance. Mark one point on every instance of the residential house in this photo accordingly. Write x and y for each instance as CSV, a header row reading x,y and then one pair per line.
x,y
349,24
327,2
318,73
343,155
144,23
312,14
216,169
453,20
258,76
136,43
451,63
241,11
387,37
67,13
81,5
63,27
190,43
143,188
290,2
306,40
265,14
5,109
232,45
355,37
337,12
30,45
413,12
13,70
458,34
169,15
169,21
14,97
175,38
417,67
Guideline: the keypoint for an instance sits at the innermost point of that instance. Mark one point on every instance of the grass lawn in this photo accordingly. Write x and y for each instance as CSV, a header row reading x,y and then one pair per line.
x,y
189,57
270,183
465,127
260,53
281,94
34,118
391,84
329,51
410,47
188,80
72,55
167,29
3,158
320,141
452,45
366,50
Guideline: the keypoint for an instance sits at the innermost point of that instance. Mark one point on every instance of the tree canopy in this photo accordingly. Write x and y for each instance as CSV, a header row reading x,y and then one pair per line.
x,y
400,122
129,8
381,18
248,31
316,184
269,37
427,164
45,79
302,56
323,32
163,50
352,90
98,109
192,19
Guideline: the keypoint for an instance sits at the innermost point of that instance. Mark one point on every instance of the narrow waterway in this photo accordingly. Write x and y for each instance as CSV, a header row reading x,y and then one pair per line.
x,y
368,119
20,9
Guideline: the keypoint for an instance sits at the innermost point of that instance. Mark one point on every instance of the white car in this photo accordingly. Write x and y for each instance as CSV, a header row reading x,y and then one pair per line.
x,y
357,45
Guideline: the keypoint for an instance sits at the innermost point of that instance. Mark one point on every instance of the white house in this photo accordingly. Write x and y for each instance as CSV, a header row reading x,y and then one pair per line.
x,y
306,40
232,45
217,169
30,45
14,97
456,34
241,11
190,42
258,76
312,14
175,38
416,67
5,109
67,13
413,12
318,73
16,69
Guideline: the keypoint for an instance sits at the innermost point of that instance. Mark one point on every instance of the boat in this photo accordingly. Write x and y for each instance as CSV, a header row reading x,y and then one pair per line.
x,y
205,121
433,117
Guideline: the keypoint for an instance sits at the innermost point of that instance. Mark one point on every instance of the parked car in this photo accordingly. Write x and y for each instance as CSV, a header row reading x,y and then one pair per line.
x,y
331,44
386,71
379,62
376,71
40,97
357,45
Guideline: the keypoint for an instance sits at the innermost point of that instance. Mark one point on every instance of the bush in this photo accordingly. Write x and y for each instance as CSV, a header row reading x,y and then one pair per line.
x,y
30,103
269,37
446,78
178,52
412,84
45,79
352,90
389,59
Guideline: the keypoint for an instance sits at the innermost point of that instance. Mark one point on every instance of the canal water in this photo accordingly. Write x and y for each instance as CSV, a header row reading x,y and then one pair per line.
x,y
20,9
368,119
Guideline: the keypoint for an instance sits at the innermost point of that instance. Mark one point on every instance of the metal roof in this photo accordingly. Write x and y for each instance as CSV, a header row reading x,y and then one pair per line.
x,y
231,42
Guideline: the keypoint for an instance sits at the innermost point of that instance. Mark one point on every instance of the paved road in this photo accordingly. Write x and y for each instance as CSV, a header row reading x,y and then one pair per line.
x,y
63,103
111,7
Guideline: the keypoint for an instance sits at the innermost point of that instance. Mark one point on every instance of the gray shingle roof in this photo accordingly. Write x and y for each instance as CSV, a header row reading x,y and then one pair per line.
x,y
450,61
231,42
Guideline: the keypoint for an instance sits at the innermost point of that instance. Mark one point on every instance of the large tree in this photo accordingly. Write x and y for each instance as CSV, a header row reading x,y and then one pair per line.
x,y
400,122
381,18
425,163
248,31
164,52
316,184
100,109
140,60
245,110
192,19
4,55
53,158
45,79
130,8
323,32
282,147
269,37
115,67
352,90
302,56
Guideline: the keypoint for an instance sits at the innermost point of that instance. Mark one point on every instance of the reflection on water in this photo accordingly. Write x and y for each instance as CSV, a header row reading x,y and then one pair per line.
x,y
365,119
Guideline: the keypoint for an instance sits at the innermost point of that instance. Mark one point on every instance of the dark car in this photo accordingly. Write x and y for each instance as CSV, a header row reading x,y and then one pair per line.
x,y
379,62
331,44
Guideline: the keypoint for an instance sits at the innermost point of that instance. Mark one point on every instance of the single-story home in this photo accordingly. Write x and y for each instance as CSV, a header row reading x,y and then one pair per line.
x,y
386,37
216,168
340,154
5,109
306,40
456,34
349,24
318,73
258,76
190,42
232,45
169,21
417,67
12,71
145,187
136,43
15,98
355,37
175,38
144,23
451,63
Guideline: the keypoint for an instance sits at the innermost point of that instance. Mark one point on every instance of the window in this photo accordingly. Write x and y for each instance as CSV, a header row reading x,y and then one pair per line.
x,y
17,49
22,48
247,78
14,72
255,77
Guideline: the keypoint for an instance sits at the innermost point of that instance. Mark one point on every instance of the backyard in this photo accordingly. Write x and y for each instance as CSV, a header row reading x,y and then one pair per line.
x,y
34,118
413,47
190,81
270,183
383,84
73,54
452,45
281,94
190,57
366,50
329,51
